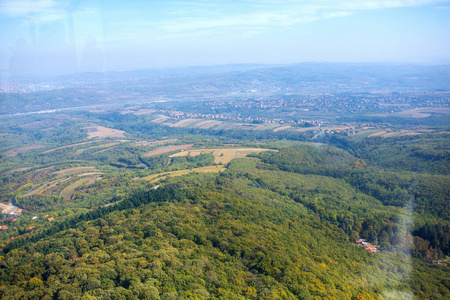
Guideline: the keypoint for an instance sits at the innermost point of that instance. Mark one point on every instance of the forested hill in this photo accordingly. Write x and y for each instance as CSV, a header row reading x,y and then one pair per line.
x,y
132,204
251,232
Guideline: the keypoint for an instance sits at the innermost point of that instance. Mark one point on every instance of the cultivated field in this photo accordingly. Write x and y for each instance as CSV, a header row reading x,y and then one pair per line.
x,y
417,112
166,149
16,170
281,128
209,169
186,122
75,170
160,119
395,133
14,152
152,143
69,190
46,187
106,145
67,146
222,156
207,124
266,126
103,132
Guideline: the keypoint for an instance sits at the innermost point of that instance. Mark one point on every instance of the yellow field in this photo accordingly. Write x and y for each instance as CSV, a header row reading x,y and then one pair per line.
x,y
223,156
209,169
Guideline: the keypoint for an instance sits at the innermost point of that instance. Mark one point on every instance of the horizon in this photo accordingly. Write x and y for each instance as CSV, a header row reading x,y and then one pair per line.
x,y
50,37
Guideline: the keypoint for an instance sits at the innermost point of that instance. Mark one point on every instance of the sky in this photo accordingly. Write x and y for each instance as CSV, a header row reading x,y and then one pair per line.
x,y
51,37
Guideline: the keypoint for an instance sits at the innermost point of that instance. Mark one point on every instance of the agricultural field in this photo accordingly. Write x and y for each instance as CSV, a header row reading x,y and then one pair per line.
x,y
234,194
69,190
167,149
418,113
75,170
186,123
222,156
68,146
14,152
103,132
160,176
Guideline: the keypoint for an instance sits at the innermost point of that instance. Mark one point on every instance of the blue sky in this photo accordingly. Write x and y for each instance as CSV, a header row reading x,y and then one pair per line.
x,y
52,36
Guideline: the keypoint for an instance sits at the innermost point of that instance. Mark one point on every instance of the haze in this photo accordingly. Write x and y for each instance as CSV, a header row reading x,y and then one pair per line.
x,y
47,37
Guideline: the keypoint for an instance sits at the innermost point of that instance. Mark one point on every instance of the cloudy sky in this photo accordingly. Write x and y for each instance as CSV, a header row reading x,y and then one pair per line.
x,y
50,36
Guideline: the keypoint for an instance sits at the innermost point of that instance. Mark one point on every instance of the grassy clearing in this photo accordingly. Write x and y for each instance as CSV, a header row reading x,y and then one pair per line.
x,y
166,149
208,169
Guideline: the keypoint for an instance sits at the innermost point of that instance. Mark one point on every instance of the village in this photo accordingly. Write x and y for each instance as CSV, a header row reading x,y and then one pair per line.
x,y
10,213
367,246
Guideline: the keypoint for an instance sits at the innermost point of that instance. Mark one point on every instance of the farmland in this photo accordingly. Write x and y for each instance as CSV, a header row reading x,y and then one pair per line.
x,y
160,176
222,156
103,132
167,149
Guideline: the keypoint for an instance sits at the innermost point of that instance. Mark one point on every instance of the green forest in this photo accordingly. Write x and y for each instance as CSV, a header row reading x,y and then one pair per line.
x,y
145,210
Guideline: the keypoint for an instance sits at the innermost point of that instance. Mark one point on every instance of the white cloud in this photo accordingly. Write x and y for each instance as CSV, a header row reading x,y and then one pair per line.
x,y
284,13
17,8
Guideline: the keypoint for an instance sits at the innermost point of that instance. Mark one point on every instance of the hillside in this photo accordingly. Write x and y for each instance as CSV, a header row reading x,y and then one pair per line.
x,y
133,203
217,237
